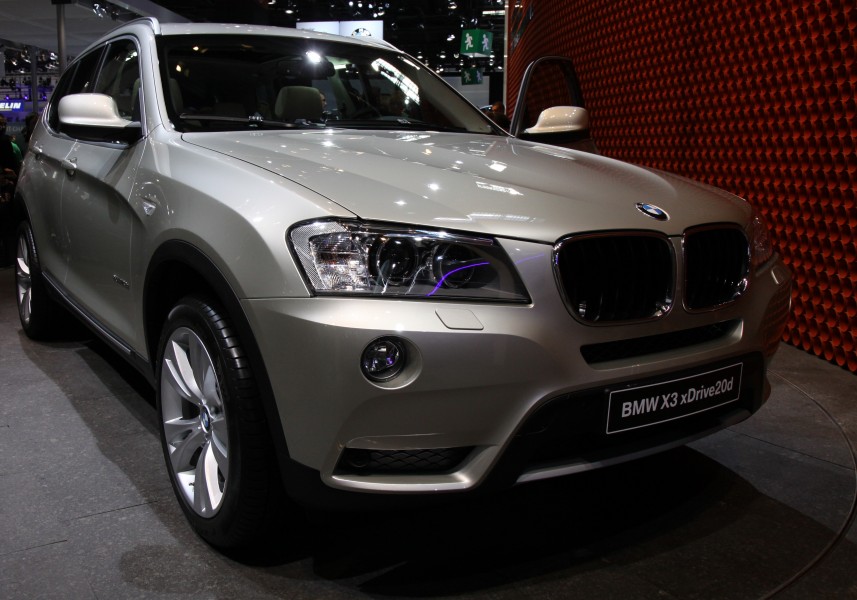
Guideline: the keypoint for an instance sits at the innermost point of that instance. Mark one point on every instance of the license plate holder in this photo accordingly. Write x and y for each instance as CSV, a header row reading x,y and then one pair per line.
x,y
654,403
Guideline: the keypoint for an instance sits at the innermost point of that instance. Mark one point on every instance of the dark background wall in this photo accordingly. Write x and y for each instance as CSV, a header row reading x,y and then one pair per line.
x,y
755,97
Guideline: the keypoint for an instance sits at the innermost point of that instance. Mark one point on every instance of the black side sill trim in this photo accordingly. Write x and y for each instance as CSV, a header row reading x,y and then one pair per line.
x,y
137,361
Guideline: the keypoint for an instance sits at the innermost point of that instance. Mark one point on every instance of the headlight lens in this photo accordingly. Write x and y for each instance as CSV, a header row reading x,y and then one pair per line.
x,y
761,248
354,258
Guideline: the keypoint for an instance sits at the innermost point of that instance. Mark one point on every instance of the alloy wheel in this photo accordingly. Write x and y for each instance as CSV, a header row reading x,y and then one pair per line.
x,y
23,278
194,422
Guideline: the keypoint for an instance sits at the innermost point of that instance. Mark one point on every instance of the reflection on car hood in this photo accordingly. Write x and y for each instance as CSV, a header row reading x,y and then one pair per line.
x,y
487,184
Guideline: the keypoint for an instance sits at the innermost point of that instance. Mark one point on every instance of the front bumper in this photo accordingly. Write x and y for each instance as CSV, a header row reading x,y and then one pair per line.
x,y
491,390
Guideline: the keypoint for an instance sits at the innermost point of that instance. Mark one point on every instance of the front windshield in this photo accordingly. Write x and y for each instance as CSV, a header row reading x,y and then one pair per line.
x,y
229,82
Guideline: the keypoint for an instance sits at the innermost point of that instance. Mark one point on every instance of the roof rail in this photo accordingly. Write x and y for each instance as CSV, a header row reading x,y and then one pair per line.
x,y
155,23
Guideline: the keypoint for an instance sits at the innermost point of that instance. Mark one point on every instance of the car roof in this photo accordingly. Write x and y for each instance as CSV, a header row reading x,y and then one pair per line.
x,y
170,29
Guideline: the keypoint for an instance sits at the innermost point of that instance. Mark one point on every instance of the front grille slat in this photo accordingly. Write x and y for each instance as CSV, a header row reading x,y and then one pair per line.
x,y
717,262
625,276
630,276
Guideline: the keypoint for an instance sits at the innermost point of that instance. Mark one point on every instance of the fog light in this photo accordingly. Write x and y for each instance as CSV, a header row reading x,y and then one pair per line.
x,y
383,359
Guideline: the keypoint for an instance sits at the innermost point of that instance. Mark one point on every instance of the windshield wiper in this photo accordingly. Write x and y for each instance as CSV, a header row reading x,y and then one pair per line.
x,y
394,123
252,121
256,121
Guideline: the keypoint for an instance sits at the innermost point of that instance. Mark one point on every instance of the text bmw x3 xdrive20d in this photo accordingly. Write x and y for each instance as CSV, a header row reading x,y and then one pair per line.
x,y
346,283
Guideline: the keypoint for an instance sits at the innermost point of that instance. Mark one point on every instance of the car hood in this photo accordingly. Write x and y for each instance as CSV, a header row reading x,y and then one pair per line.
x,y
486,184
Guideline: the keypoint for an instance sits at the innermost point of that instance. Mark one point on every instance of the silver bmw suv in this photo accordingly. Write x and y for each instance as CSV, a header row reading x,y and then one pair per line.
x,y
348,285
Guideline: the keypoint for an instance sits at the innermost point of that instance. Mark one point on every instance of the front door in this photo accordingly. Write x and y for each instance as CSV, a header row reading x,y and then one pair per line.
x,y
97,206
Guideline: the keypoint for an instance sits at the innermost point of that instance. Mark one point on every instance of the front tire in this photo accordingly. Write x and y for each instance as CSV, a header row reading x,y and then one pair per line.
x,y
213,430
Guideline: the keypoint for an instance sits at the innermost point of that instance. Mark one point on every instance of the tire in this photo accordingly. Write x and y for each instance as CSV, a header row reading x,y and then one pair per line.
x,y
213,430
38,312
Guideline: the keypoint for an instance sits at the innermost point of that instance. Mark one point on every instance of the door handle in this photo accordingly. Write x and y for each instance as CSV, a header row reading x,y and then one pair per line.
x,y
70,165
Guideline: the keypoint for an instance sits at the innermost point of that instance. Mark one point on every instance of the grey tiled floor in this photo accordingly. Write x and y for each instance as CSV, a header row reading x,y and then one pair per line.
x,y
86,510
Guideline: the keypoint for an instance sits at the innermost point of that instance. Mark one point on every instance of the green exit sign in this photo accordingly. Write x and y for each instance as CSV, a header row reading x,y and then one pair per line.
x,y
471,76
476,42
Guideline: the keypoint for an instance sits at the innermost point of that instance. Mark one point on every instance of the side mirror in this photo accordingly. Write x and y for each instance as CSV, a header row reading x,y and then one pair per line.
x,y
95,117
560,119
566,126
551,81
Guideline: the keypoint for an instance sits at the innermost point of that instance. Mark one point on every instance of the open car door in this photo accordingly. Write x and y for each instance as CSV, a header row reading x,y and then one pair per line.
x,y
550,106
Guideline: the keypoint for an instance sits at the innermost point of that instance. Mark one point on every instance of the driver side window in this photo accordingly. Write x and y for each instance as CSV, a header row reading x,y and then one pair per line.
x,y
119,78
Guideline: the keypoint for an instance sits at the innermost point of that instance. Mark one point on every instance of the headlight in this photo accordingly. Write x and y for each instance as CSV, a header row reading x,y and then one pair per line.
x,y
349,257
761,248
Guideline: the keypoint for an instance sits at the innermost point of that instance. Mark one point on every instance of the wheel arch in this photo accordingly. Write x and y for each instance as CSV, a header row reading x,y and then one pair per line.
x,y
19,208
178,269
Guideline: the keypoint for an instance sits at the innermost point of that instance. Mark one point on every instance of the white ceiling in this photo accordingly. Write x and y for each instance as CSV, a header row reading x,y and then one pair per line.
x,y
34,23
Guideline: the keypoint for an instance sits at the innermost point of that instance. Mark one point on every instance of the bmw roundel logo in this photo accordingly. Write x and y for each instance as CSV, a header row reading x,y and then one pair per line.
x,y
650,210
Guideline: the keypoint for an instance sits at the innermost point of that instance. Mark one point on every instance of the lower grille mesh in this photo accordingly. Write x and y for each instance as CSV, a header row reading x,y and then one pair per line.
x,y
425,460
599,353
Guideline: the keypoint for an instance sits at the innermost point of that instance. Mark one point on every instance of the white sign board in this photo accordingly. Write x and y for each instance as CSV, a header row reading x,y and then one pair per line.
x,y
373,29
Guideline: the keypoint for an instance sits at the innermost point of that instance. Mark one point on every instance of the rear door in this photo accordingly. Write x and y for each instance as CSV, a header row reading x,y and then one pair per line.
x,y
49,153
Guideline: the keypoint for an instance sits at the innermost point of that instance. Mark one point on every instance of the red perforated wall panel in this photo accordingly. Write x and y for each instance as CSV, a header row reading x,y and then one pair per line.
x,y
755,97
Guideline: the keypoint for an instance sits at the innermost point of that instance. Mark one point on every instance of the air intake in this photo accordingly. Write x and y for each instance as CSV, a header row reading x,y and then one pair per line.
x,y
401,462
